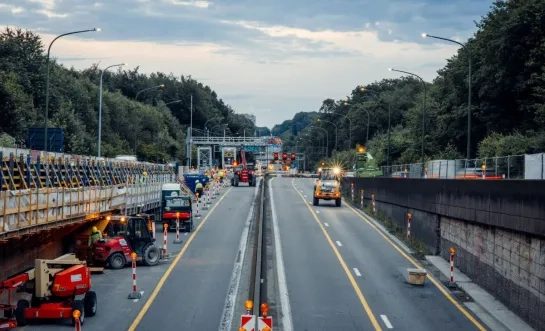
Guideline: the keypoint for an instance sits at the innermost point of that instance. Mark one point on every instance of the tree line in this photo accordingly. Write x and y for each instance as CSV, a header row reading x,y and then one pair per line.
x,y
154,127
507,112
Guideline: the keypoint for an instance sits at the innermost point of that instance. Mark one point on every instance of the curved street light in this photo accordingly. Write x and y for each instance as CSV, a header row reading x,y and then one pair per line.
x,y
336,130
100,104
346,103
326,137
374,93
206,123
47,78
149,88
468,151
423,110
171,102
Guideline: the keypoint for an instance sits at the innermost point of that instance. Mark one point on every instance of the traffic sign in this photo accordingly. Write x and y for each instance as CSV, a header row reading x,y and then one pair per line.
x,y
263,322
247,322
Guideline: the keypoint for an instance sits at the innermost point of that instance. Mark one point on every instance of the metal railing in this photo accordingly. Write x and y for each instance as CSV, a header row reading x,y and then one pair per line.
x,y
529,166
256,141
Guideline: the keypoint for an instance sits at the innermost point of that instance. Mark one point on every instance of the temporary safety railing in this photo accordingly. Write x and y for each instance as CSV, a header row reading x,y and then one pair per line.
x,y
529,166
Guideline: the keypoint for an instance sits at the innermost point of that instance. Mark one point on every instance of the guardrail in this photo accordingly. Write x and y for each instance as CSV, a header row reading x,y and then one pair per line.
x,y
229,140
529,166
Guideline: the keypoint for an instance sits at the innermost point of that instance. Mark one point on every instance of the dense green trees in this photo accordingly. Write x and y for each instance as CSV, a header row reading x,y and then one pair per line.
x,y
154,127
508,108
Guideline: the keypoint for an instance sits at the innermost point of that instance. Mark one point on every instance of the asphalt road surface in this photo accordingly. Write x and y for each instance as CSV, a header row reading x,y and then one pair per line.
x,y
341,274
193,295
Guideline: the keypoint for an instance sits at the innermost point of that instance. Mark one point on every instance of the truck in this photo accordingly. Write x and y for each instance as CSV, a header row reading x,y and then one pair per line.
x,y
243,173
327,186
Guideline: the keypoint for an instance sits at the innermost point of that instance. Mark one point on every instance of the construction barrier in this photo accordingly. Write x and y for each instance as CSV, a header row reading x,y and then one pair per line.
x,y
177,240
134,294
165,234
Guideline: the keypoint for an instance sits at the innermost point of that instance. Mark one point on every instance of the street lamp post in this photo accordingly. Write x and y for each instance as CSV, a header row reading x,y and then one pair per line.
x,y
100,104
468,151
389,122
326,137
149,88
336,130
423,110
349,126
368,121
47,79
206,123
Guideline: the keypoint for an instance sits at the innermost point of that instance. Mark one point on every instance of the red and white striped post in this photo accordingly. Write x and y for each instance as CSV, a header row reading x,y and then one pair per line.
x,y
409,218
426,172
153,229
352,188
208,195
361,199
197,214
452,252
483,167
165,234
204,205
76,314
177,240
374,206
134,294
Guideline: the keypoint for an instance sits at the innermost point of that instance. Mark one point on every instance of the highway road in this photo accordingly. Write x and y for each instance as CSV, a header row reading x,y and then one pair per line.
x,y
190,288
341,274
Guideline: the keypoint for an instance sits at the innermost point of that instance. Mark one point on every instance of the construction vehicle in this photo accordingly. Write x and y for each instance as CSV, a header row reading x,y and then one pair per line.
x,y
55,286
242,173
124,235
327,186
177,208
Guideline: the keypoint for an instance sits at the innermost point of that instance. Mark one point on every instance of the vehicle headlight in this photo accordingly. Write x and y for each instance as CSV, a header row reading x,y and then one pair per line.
x,y
336,171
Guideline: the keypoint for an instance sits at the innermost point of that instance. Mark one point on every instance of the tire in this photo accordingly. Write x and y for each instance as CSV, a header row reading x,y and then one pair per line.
x,y
151,255
338,202
78,305
90,303
22,305
315,201
117,261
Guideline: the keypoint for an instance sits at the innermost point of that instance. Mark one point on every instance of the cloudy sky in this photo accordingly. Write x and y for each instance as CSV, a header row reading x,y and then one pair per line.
x,y
272,58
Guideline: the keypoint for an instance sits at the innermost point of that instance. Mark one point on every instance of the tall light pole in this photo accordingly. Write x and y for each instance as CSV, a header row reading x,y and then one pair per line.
x,y
423,110
468,151
100,104
147,89
346,103
190,130
47,79
373,93
206,123
336,130
326,137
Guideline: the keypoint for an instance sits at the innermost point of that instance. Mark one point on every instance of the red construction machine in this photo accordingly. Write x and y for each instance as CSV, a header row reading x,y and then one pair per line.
x,y
55,290
242,172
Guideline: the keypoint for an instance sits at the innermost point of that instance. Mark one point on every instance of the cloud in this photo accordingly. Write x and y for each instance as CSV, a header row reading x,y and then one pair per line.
x,y
274,58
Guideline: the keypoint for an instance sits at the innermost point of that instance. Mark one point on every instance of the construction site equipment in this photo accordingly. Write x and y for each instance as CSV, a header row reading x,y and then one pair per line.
x,y
327,186
122,236
243,173
178,208
55,286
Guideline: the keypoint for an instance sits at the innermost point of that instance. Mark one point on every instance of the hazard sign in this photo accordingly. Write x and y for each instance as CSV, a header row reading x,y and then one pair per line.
x,y
263,322
247,322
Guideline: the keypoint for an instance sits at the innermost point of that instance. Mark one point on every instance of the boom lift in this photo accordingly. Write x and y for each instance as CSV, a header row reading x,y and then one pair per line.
x,y
57,283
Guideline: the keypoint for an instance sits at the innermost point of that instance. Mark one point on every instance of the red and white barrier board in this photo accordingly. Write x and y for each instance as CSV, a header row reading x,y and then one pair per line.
x,y
265,322
247,322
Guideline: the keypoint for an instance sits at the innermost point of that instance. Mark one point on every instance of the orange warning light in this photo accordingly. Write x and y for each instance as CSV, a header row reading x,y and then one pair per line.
x,y
133,255
241,329
264,309
409,215
249,305
165,226
178,213
483,167
266,328
452,250
76,313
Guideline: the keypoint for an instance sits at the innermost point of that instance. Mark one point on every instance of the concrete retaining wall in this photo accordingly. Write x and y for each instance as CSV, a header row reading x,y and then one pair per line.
x,y
497,227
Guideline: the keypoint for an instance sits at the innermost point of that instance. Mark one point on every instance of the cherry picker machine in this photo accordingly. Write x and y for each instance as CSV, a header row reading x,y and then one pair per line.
x,y
242,172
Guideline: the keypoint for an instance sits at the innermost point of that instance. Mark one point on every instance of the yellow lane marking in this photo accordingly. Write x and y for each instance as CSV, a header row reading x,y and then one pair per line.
x,y
347,271
417,265
161,283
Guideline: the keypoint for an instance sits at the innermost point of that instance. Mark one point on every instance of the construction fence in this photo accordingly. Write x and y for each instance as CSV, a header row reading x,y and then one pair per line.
x,y
528,166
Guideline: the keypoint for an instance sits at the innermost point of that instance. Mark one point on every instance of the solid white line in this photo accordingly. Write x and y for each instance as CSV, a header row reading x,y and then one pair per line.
x,y
231,299
357,272
386,321
339,243
285,310
326,224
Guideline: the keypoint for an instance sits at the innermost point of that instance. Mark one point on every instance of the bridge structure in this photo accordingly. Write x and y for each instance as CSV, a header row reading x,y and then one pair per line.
x,y
207,146
46,196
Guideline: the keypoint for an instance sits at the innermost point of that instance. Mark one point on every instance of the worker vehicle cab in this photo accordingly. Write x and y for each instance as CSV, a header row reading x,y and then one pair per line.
x,y
327,186
178,208
243,172
124,235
